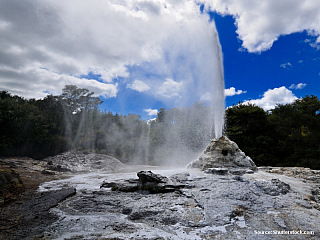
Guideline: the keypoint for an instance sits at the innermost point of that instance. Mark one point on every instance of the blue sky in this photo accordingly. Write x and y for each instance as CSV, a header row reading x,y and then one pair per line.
x,y
290,61
142,55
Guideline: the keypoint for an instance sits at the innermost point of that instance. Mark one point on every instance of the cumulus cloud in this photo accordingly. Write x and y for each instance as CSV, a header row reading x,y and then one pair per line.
x,y
138,86
270,98
232,91
170,88
259,24
151,112
48,44
298,86
36,82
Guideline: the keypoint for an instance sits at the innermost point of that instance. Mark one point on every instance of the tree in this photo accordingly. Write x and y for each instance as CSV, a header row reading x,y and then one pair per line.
x,y
79,99
296,130
247,125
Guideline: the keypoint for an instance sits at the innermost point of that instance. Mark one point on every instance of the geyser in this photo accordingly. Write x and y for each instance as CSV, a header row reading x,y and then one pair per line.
x,y
185,132
218,103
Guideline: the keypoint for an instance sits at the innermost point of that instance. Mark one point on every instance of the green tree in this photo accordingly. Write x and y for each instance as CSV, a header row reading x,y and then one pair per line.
x,y
247,125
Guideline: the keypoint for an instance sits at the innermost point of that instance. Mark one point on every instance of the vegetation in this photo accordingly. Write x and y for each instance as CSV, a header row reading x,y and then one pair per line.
x,y
288,135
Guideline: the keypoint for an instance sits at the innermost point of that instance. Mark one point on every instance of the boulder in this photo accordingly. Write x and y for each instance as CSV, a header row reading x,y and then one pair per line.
x,y
223,153
148,177
148,181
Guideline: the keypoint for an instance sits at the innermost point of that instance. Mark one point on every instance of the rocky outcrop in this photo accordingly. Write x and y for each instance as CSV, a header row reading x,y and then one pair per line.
x,y
223,153
148,181
76,161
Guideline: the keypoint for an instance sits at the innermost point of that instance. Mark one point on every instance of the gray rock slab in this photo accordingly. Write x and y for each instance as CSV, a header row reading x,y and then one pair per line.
x,y
215,207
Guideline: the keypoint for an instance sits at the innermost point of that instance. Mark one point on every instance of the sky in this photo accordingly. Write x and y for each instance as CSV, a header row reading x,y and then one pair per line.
x,y
143,55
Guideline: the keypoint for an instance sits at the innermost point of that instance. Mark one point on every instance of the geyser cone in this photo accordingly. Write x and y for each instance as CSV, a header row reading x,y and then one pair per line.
x,y
223,153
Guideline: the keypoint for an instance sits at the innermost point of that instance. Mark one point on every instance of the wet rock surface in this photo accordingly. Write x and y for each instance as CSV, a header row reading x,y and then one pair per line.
x,y
205,206
223,153
30,216
198,205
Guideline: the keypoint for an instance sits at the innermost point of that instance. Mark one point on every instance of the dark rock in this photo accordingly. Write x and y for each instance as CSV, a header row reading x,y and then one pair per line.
x,y
238,178
126,211
48,172
132,180
142,215
58,168
169,220
146,177
218,171
148,181
108,184
125,187
124,228
31,217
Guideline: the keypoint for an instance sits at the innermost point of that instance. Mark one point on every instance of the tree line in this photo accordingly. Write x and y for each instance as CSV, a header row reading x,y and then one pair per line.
x,y
288,135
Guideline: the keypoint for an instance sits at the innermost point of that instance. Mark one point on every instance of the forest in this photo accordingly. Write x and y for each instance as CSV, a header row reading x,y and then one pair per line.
x,y
288,135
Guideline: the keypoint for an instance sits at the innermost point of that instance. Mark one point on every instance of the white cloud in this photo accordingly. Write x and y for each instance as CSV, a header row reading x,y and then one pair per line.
x,y
170,88
298,86
286,65
138,86
260,23
270,98
232,91
34,81
47,44
151,112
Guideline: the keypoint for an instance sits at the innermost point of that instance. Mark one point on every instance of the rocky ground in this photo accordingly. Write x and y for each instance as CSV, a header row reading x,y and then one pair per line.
x,y
118,204
24,211
196,206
